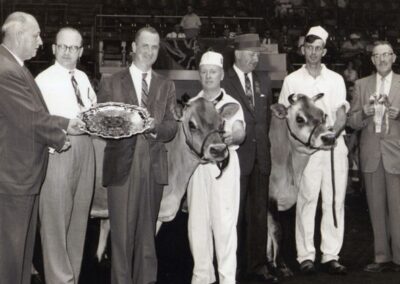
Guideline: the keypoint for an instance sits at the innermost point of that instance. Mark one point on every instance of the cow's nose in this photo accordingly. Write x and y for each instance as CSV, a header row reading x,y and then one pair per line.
x,y
217,150
328,139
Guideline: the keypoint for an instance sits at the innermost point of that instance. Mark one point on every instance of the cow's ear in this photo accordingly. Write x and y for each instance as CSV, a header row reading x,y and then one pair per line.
x,y
317,96
228,110
279,110
292,98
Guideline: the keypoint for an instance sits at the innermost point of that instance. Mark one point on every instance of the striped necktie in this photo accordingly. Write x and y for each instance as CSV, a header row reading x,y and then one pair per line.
x,y
145,91
248,90
76,89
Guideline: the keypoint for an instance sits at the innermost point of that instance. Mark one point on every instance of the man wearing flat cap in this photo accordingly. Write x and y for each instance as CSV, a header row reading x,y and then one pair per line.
x,y
253,91
311,79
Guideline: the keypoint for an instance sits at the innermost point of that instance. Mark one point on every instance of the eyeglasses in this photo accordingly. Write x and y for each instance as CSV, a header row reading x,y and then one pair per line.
x,y
384,55
71,48
311,48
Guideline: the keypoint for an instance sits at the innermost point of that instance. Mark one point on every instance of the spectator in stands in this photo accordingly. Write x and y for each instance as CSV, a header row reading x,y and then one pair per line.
x,y
176,33
378,120
214,203
67,190
267,38
371,42
191,23
352,47
285,42
349,74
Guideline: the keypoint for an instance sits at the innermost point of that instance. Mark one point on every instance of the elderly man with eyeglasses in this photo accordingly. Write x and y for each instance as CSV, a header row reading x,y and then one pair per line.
x,y
375,111
68,186
311,79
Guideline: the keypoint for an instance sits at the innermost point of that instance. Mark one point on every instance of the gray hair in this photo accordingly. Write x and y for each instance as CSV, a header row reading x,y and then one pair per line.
x,y
15,22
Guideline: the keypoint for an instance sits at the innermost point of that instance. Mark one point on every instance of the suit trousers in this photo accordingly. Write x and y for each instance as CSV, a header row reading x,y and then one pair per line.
x,y
18,219
252,221
133,208
383,196
64,210
213,212
317,178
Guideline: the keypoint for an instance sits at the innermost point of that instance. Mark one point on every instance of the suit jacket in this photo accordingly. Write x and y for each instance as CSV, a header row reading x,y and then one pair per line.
x,y
373,145
118,154
256,144
26,129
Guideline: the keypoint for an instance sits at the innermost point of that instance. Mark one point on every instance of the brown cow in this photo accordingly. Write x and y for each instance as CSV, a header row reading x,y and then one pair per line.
x,y
295,133
198,140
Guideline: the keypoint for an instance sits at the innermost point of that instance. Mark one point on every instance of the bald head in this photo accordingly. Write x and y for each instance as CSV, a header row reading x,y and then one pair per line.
x,y
21,34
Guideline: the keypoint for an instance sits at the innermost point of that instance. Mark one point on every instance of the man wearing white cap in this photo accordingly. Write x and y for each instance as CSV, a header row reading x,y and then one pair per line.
x,y
214,203
311,79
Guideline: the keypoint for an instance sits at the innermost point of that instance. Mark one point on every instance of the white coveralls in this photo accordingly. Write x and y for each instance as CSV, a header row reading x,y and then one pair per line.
x,y
317,174
213,212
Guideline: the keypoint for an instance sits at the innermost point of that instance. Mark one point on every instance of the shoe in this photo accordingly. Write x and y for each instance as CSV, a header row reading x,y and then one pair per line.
x,y
395,267
307,267
263,275
334,267
378,267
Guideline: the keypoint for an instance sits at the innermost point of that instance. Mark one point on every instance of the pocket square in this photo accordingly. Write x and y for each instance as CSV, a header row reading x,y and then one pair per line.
x,y
262,95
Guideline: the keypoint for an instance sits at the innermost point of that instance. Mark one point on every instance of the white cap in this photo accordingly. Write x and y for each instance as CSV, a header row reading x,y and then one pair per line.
x,y
354,36
212,58
319,32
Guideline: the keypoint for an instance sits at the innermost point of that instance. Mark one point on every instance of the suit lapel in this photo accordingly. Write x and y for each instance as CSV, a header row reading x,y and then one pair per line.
x,y
155,82
129,88
238,86
393,96
371,87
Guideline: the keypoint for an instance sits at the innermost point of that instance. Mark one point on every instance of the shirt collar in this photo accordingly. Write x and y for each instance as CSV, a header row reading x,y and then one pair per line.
x,y
238,71
20,62
135,70
388,77
63,69
323,70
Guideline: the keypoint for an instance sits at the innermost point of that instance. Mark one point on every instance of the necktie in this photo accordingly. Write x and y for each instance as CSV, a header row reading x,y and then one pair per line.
x,y
145,91
76,89
379,107
382,87
248,90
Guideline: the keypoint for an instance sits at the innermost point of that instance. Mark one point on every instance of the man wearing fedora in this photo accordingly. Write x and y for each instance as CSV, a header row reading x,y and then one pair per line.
x,y
253,91
311,79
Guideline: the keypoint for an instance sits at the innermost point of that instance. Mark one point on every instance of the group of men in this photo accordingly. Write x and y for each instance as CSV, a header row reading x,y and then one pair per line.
x,y
48,162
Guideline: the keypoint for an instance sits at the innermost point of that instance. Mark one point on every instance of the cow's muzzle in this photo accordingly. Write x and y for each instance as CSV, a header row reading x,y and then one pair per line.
x,y
328,139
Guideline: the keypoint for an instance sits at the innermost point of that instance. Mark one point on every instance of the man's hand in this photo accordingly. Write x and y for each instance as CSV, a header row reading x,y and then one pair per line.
x,y
75,126
66,146
151,131
393,112
368,110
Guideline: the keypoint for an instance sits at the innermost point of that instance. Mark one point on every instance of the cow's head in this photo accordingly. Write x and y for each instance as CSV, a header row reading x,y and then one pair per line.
x,y
203,126
306,123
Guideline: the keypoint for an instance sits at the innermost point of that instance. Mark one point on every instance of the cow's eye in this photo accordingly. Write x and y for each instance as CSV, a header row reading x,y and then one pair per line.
x,y
192,126
299,119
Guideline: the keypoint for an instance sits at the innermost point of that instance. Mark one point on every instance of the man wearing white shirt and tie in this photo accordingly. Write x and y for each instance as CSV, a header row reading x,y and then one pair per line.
x,y
375,111
68,187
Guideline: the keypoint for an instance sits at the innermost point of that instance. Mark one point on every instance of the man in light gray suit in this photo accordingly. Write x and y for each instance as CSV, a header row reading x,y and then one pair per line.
x,y
375,110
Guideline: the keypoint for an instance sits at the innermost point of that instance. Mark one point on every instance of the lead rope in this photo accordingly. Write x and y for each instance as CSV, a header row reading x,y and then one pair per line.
x,y
333,187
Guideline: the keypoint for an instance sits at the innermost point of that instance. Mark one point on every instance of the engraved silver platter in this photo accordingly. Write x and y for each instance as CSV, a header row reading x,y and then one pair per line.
x,y
115,120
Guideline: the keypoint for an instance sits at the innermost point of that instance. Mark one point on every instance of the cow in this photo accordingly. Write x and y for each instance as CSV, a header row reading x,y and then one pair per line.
x,y
296,132
198,140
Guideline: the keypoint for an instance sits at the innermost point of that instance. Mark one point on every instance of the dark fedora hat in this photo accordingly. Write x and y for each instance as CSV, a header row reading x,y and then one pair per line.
x,y
248,42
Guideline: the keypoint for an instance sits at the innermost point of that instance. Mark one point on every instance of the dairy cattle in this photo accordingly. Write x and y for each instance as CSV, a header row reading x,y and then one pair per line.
x,y
198,140
296,132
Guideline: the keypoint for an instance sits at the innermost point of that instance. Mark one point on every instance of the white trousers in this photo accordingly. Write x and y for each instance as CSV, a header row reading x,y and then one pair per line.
x,y
315,179
213,212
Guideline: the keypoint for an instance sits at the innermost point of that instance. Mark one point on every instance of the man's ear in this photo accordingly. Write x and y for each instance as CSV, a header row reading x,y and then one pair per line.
x,y
133,47
53,47
279,110
302,50
324,52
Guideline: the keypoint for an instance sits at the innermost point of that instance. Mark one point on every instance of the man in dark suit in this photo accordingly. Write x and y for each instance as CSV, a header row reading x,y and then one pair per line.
x,y
375,111
27,131
135,168
253,90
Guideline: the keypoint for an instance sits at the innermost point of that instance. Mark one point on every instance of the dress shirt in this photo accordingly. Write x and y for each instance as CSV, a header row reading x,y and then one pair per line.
x,y
328,82
58,92
240,74
388,83
137,76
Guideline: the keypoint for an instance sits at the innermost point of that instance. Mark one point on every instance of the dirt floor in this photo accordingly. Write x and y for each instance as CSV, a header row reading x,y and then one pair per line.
x,y
175,263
